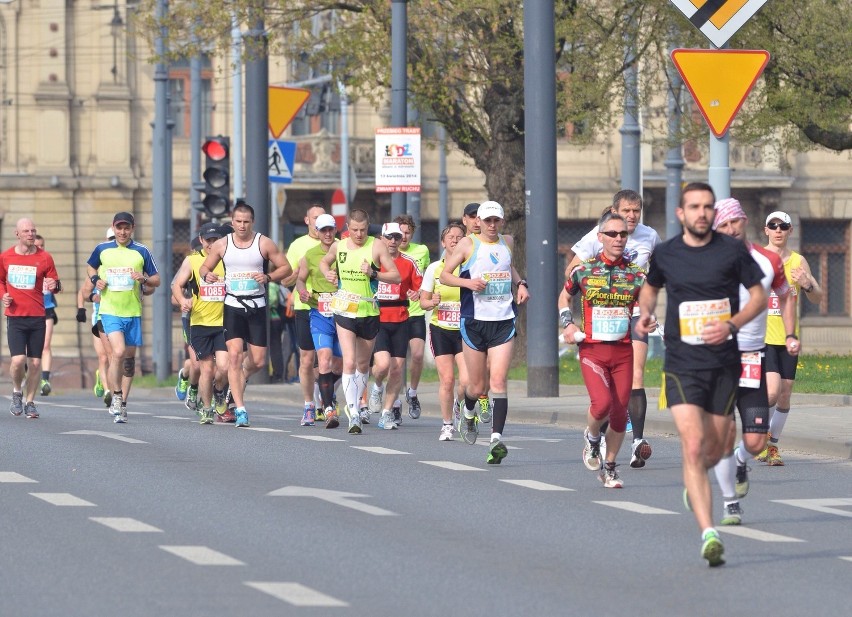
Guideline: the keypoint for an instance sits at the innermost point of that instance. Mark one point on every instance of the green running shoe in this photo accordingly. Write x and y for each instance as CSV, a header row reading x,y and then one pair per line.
x,y
206,416
181,386
99,387
497,452
712,549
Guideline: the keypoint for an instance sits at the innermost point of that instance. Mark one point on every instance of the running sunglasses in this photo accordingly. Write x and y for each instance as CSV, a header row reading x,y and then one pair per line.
x,y
781,226
615,234
397,237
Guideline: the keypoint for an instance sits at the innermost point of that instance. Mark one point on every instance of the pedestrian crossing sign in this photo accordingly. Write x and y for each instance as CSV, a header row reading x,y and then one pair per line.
x,y
281,158
718,20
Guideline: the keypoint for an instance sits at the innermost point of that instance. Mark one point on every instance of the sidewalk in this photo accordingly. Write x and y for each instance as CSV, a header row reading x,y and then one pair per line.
x,y
818,423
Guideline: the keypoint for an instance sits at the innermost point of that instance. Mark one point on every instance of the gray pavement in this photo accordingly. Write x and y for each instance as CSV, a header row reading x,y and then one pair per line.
x,y
818,423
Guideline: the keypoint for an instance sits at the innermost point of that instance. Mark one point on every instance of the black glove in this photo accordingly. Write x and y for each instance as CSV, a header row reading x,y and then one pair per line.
x,y
81,315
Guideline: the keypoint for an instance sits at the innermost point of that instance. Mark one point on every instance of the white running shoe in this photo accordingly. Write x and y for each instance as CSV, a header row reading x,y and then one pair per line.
x,y
374,404
386,421
446,432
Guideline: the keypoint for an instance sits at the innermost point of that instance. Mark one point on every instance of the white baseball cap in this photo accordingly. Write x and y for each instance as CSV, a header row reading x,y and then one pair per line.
x,y
391,228
781,216
325,220
110,234
490,208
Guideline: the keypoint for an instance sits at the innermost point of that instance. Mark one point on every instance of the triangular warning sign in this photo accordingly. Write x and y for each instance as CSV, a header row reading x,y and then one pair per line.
x,y
719,81
284,104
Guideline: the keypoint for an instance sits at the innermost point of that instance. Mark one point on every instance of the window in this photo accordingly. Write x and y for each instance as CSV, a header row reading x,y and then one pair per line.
x,y
825,244
180,97
180,243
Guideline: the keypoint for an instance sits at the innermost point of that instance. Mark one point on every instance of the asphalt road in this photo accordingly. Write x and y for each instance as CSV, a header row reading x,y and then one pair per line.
x,y
162,516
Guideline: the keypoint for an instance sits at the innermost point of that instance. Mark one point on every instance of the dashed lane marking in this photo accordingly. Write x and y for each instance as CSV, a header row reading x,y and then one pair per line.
x,y
173,418
128,525
62,499
826,506
637,508
317,438
452,466
11,476
845,558
263,429
536,485
756,534
379,450
202,556
297,594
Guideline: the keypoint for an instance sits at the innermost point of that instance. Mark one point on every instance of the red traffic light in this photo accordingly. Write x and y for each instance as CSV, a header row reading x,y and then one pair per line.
x,y
215,149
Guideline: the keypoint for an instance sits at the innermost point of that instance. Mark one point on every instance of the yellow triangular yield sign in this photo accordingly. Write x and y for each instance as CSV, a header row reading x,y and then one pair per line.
x,y
720,80
284,104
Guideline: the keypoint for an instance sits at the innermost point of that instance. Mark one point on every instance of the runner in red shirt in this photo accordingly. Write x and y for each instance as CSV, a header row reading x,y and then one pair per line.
x,y
25,270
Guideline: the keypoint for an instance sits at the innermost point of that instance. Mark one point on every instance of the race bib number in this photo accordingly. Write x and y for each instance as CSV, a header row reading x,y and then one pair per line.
x,y
498,287
21,277
609,323
241,283
211,292
119,279
774,305
448,315
693,315
324,301
388,291
750,377
345,303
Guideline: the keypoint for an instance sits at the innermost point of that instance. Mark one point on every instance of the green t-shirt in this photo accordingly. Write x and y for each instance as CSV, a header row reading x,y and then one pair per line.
x,y
316,282
354,281
295,252
420,254
115,264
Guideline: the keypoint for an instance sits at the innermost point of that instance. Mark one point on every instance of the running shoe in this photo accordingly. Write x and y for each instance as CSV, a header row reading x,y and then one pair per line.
x,y
115,407
220,403
207,416
773,457
99,387
308,416
241,418
712,548
386,421
182,386
108,398
191,400
469,429
376,396
765,452
17,406
121,416
397,415
45,387
364,414
30,410
732,514
609,476
591,453
354,423
496,452
457,415
413,406
446,432
331,418
484,409
741,487
319,414
226,418
641,453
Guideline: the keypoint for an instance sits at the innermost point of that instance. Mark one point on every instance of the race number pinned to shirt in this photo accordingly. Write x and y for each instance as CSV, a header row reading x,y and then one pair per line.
x,y
119,279
449,315
750,376
774,304
21,277
241,282
693,315
388,291
211,292
324,301
609,323
498,287
345,303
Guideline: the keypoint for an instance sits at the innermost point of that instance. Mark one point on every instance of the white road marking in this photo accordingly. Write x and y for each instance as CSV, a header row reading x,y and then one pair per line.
x,y
756,534
316,438
262,429
379,450
202,556
130,525
297,594
825,506
631,506
339,498
11,476
173,418
845,558
452,466
62,499
115,436
487,442
536,485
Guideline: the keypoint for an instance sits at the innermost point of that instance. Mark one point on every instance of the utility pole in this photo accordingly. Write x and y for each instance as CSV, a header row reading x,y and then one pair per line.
x,y
399,83
631,162
194,133
674,155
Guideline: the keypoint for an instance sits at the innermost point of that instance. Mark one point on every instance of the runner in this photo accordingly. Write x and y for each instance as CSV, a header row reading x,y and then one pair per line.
x,y
416,315
189,374
246,256
25,270
317,292
752,401
355,262
120,269
205,307
640,245
487,321
394,332
609,285
444,335
780,365
50,320
701,271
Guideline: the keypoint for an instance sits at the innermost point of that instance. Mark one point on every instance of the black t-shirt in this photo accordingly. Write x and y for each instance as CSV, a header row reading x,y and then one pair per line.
x,y
709,273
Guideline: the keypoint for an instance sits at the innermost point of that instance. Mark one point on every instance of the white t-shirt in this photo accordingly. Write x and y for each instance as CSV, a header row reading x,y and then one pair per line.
x,y
752,335
640,245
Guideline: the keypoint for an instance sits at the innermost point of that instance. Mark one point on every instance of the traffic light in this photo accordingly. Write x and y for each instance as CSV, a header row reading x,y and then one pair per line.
x,y
217,176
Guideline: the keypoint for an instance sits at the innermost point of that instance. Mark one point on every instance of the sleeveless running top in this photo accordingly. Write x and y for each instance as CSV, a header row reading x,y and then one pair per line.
x,y
775,334
208,306
241,290
355,296
492,262
447,315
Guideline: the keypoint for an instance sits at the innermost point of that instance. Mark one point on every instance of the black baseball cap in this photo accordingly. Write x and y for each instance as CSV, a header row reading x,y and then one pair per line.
x,y
210,230
225,229
195,244
471,209
123,217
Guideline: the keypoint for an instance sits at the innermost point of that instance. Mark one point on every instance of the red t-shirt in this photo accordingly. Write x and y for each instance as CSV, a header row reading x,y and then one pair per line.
x,y
22,276
392,297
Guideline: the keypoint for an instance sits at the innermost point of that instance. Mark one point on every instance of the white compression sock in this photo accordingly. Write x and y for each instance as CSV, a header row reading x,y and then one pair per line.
x,y
726,476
